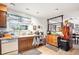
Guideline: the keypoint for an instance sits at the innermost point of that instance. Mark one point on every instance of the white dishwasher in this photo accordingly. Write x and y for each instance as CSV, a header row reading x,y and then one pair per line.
x,y
9,46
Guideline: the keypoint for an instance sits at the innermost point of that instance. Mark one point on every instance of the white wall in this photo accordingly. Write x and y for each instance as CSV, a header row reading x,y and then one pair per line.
x,y
34,20
43,22
74,15
44,25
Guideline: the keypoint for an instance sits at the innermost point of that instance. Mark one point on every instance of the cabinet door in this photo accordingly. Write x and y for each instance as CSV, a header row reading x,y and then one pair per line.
x,y
2,19
30,40
25,43
22,44
48,38
52,39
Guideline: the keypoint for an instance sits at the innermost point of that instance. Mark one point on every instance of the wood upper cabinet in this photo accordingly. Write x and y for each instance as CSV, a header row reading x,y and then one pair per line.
x,y
3,7
0,47
2,19
52,40
3,13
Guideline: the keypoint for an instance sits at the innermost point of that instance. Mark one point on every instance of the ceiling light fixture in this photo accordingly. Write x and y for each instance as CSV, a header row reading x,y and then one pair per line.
x,y
12,4
56,9
37,12
27,9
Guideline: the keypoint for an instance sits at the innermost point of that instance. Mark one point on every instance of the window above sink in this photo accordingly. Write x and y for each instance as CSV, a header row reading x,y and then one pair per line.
x,y
17,22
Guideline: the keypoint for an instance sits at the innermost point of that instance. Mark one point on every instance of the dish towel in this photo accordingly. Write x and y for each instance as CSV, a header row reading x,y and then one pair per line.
x,y
36,41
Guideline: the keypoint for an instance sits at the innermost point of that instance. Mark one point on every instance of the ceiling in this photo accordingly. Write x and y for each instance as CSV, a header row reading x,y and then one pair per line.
x,y
44,10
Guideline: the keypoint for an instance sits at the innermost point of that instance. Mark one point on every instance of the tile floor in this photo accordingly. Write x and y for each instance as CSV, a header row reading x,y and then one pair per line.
x,y
46,51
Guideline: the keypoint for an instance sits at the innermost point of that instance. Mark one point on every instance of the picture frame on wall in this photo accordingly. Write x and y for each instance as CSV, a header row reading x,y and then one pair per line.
x,y
34,27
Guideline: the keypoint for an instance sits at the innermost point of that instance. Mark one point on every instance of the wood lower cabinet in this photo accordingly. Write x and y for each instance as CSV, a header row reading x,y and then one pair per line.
x,y
24,44
52,40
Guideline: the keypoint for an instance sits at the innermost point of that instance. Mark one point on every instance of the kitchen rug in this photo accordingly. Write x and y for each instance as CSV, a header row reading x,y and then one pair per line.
x,y
32,52
52,47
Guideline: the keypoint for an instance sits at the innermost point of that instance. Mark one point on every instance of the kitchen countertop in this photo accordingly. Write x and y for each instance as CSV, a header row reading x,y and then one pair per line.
x,y
28,35
16,37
